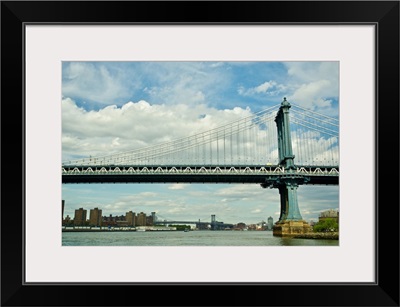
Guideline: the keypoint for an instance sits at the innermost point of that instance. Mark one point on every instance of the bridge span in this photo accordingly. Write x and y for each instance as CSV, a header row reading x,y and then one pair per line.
x,y
315,175
214,225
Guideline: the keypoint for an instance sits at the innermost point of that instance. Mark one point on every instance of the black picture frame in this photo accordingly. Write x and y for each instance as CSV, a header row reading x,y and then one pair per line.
x,y
383,14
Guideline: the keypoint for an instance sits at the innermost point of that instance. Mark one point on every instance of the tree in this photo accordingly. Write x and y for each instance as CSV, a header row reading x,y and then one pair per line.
x,y
181,227
326,225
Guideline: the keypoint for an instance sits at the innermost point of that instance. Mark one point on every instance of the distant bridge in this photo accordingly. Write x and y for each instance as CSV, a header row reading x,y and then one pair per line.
x,y
213,224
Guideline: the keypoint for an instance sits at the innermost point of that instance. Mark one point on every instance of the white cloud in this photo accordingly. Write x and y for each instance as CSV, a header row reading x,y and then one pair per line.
x,y
242,191
105,83
183,82
217,64
178,186
271,88
94,82
314,84
310,95
135,125
312,71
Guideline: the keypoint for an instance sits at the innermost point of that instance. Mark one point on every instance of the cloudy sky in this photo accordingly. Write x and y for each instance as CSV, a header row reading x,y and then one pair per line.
x,y
111,107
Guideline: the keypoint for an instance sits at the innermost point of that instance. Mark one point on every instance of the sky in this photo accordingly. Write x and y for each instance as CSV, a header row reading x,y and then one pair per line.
x,y
111,107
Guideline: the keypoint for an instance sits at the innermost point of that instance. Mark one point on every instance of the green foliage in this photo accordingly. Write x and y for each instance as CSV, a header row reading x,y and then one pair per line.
x,y
327,225
180,227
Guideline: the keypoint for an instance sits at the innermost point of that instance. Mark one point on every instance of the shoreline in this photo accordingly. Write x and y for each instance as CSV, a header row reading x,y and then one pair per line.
x,y
318,235
118,229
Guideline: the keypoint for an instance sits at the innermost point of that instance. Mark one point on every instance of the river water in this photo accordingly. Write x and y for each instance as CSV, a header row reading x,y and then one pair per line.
x,y
191,238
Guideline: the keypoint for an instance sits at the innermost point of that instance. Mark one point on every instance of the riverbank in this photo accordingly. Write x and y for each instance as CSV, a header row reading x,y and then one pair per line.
x,y
117,229
319,235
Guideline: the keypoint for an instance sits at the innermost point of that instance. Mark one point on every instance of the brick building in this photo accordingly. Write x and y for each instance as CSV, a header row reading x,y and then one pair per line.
x,y
95,217
80,217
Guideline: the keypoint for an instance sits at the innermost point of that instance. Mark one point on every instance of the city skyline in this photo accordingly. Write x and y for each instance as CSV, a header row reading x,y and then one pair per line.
x,y
112,107
87,216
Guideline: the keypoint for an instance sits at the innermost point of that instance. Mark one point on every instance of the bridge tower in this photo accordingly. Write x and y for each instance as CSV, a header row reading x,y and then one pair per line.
x,y
290,220
213,222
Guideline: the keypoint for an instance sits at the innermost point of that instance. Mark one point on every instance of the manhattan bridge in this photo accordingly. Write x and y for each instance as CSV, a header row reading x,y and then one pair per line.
x,y
282,147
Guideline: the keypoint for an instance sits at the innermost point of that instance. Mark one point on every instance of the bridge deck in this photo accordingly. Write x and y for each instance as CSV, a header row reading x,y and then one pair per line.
x,y
318,175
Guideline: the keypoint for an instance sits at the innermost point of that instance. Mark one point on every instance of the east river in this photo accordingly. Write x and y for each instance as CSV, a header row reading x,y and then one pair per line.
x,y
191,238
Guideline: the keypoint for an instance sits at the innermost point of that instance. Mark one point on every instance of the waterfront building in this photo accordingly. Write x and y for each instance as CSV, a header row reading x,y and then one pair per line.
x,y
329,214
67,221
112,220
122,223
261,226
130,218
141,219
149,220
240,226
95,217
80,217
251,227
108,220
270,223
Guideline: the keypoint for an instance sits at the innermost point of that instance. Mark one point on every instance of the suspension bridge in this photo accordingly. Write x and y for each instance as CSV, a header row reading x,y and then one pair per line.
x,y
281,147
213,224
